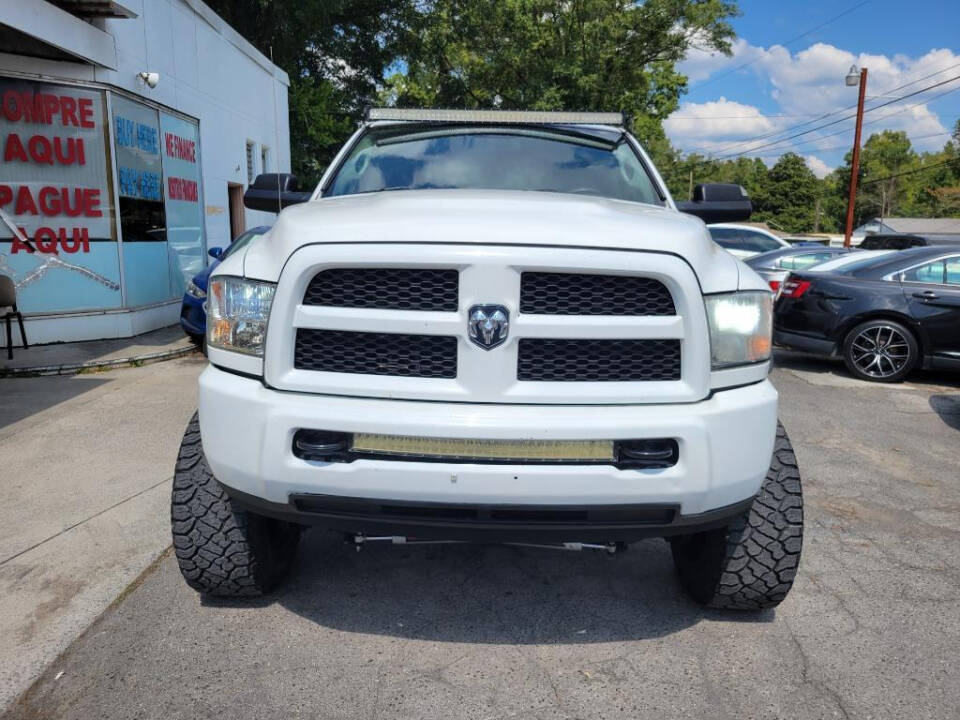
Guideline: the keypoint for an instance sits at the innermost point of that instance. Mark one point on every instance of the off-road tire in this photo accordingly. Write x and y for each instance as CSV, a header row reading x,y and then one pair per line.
x,y
909,339
751,563
223,550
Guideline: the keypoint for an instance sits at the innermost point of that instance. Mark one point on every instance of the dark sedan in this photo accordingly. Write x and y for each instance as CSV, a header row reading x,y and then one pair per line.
x,y
884,316
774,266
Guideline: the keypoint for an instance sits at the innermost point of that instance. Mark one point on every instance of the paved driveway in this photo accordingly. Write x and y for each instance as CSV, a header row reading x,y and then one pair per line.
x,y
85,468
872,628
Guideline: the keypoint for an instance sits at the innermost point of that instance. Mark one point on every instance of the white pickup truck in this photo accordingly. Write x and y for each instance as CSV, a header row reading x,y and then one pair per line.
x,y
498,327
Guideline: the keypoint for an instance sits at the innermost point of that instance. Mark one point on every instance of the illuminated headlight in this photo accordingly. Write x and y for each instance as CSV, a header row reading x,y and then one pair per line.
x,y
194,291
237,314
741,325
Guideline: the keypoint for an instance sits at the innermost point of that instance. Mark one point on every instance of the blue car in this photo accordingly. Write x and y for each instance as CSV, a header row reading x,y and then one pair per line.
x,y
193,318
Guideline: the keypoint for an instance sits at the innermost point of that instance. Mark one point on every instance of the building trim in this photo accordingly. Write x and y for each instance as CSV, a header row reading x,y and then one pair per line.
x,y
100,311
236,39
96,85
53,26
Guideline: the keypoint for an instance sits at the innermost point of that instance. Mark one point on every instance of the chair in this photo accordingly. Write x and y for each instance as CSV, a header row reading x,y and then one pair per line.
x,y
8,299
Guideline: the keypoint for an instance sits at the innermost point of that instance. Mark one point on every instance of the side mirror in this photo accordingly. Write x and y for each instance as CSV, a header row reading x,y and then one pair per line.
x,y
718,202
271,192
215,252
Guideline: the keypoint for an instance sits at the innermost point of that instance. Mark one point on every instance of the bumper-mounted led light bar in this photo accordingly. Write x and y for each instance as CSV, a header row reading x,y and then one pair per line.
x,y
329,446
509,117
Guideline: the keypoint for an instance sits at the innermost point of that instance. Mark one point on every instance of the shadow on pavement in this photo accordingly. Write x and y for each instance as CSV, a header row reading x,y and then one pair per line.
x,y
22,397
791,360
489,594
948,408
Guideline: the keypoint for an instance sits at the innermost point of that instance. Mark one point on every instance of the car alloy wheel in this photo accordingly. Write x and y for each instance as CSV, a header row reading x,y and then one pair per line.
x,y
880,351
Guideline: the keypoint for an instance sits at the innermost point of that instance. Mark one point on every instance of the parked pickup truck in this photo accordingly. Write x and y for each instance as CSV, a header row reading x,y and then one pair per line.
x,y
490,326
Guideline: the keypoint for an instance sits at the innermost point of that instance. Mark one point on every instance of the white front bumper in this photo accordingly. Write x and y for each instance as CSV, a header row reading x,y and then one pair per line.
x,y
725,446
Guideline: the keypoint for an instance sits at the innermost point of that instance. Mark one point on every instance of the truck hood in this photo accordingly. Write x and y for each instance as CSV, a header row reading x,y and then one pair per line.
x,y
485,217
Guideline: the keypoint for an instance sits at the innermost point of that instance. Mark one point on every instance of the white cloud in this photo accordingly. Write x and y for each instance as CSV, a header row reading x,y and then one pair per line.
x,y
718,119
803,86
701,64
817,166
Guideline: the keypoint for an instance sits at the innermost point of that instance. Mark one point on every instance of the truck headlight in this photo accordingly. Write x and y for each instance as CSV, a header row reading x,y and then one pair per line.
x,y
741,324
237,313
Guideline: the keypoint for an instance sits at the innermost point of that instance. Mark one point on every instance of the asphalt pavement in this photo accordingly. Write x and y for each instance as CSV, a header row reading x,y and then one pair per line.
x,y
871,629
85,469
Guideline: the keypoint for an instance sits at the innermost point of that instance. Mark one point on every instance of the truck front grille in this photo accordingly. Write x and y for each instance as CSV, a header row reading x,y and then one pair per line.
x,y
545,293
396,320
385,288
367,353
582,360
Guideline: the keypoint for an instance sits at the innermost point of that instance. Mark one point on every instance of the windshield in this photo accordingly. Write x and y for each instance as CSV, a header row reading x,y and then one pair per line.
x,y
242,241
505,158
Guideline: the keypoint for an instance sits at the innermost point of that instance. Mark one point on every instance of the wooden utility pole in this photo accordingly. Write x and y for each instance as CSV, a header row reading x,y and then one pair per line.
x,y
855,165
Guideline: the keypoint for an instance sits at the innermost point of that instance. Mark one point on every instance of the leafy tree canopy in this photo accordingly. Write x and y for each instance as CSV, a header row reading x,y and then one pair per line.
x,y
561,54
335,52
557,54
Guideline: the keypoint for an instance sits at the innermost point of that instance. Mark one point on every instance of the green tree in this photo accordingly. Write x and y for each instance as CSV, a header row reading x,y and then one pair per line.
x,y
896,180
335,52
885,154
790,196
558,54
937,192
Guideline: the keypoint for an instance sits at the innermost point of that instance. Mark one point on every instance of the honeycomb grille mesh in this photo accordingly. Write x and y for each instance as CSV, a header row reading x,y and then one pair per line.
x,y
580,360
423,356
544,293
385,288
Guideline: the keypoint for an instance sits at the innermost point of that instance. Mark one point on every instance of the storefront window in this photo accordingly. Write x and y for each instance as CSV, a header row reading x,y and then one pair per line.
x,y
181,170
158,174
55,187
136,134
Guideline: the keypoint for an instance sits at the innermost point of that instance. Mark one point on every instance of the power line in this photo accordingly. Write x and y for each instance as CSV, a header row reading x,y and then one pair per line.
x,y
826,115
835,122
784,130
850,117
881,119
925,77
847,146
781,131
909,172
733,117
785,44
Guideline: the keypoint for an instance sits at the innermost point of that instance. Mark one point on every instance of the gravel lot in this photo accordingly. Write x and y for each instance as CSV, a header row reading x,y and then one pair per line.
x,y
872,628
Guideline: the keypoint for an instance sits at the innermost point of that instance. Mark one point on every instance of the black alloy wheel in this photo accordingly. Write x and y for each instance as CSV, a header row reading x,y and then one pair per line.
x,y
881,351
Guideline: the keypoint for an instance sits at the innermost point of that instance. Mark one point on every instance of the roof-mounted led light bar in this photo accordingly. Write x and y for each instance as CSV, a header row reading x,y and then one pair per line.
x,y
514,117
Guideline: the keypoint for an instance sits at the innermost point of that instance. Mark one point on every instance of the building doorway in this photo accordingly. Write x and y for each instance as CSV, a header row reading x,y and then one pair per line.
x,y
238,222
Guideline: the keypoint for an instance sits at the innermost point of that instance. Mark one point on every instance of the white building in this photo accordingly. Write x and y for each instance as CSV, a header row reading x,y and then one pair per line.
x,y
128,132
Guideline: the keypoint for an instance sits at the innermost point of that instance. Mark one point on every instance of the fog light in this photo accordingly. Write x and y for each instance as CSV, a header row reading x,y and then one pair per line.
x,y
320,444
654,453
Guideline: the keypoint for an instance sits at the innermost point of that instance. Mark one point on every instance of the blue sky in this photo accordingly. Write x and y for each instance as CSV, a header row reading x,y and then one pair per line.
x,y
789,60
